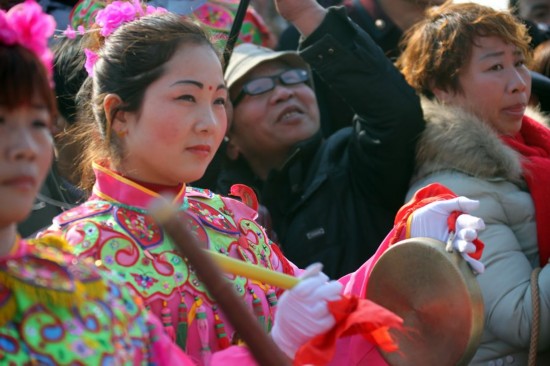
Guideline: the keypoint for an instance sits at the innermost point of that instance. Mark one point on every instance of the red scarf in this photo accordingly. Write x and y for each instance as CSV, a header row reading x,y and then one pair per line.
x,y
533,143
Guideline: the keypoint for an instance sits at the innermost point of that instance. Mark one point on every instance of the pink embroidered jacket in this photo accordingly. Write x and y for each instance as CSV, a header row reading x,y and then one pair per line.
x,y
114,227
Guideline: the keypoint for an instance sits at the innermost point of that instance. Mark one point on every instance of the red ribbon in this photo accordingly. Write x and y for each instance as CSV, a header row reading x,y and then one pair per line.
x,y
353,316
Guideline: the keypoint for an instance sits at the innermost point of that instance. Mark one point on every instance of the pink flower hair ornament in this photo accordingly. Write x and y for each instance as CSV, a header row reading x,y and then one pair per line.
x,y
27,25
113,16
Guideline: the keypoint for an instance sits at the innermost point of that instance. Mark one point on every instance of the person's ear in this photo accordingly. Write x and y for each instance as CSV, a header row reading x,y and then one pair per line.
x,y
443,96
231,149
116,118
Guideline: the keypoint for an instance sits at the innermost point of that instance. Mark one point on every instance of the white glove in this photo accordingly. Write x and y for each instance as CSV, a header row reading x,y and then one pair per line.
x,y
302,312
431,221
467,227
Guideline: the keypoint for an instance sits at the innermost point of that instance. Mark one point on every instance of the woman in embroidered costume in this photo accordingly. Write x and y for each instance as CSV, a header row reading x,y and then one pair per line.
x,y
54,308
470,63
157,99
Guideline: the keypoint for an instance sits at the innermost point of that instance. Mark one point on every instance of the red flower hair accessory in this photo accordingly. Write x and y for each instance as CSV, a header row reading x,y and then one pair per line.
x,y
27,25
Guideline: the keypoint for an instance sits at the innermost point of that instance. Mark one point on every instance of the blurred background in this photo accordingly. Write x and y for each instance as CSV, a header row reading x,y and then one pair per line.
x,y
498,4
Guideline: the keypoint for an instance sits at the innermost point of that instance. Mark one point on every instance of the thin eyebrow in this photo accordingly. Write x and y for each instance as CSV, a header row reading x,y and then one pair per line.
x,y
197,83
39,107
192,82
491,55
499,54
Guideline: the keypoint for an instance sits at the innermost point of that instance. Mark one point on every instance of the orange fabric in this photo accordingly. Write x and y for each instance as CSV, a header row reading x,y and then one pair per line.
x,y
353,316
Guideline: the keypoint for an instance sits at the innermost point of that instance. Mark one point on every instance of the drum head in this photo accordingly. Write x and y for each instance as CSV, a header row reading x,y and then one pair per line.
x,y
438,297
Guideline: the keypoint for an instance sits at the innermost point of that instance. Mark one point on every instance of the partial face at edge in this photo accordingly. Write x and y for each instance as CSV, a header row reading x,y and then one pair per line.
x,y
496,85
537,11
26,148
181,123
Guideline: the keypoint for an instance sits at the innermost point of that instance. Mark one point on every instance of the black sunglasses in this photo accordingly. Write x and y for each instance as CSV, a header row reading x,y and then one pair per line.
x,y
266,83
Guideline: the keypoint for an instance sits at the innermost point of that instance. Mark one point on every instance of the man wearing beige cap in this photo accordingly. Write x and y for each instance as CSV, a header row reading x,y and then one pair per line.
x,y
331,200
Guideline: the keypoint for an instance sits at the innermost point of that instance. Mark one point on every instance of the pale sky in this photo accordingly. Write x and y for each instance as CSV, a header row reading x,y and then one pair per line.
x,y
498,4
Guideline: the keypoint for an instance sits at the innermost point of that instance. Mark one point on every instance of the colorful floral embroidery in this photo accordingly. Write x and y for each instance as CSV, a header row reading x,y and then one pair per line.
x,y
100,327
211,216
144,281
87,209
140,226
130,244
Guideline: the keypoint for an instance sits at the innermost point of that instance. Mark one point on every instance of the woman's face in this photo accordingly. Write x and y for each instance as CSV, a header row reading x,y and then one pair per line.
x,y
495,83
26,148
181,123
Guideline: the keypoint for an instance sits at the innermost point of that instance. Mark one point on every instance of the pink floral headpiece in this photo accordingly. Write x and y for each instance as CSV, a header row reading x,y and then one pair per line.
x,y
27,25
113,16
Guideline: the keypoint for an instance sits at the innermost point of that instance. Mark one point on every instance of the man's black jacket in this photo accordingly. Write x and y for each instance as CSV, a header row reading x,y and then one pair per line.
x,y
335,199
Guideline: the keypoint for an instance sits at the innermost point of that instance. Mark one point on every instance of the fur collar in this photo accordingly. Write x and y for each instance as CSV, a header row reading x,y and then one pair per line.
x,y
456,140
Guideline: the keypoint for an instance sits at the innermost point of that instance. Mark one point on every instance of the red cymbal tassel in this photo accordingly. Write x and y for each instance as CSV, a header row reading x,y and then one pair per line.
x,y
223,339
166,318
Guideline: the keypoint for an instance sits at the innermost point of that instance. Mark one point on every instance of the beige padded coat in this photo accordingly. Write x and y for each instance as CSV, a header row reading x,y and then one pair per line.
x,y
466,155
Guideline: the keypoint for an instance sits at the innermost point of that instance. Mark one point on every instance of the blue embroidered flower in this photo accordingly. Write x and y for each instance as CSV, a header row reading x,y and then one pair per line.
x,y
144,281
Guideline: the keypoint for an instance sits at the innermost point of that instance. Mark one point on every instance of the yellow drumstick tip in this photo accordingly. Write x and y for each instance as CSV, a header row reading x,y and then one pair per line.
x,y
253,272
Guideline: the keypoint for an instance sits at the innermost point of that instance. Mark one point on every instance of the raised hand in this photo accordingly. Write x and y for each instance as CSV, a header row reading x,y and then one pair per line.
x,y
305,15
466,230
432,221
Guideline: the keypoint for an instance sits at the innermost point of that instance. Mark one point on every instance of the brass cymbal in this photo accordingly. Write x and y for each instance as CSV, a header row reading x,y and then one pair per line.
x,y
438,297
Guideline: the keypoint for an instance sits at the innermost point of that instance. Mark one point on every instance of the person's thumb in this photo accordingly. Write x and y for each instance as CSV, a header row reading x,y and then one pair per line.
x,y
469,221
311,271
462,204
310,280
